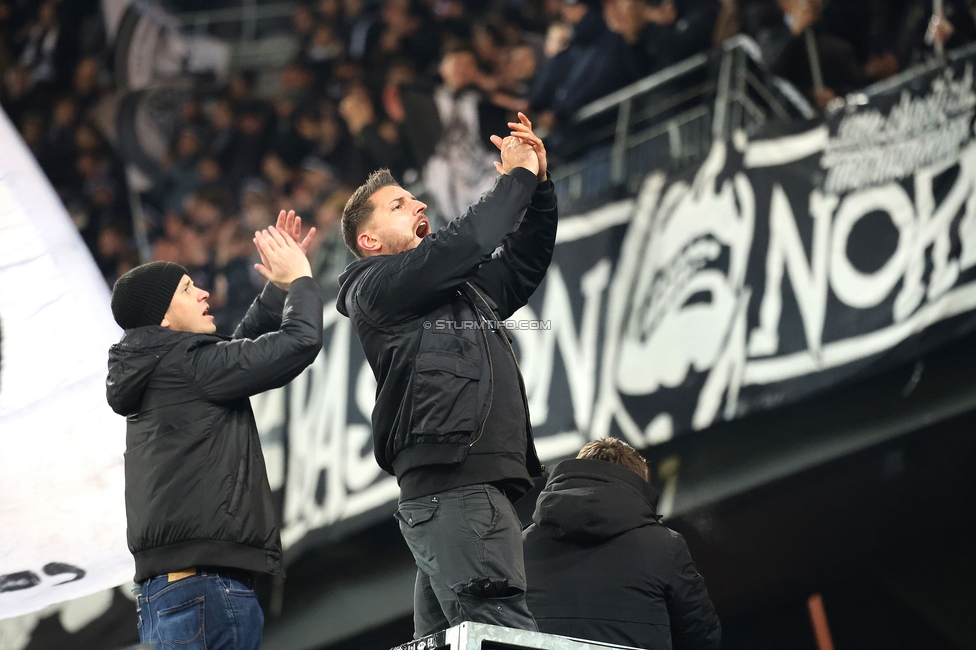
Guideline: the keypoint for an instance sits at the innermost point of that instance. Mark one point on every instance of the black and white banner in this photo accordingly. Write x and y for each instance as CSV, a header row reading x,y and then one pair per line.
x,y
62,510
155,68
150,49
782,265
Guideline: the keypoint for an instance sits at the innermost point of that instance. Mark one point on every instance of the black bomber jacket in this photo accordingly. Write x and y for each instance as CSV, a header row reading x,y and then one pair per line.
x,y
435,382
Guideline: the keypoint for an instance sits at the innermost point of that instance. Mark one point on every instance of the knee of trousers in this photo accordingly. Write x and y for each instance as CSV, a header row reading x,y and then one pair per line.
x,y
486,588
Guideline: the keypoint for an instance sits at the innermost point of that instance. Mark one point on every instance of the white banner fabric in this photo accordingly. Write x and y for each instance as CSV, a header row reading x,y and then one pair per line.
x,y
62,511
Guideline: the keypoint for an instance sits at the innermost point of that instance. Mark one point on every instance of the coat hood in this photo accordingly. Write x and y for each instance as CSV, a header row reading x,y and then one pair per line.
x,y
348,277
131,363
588,501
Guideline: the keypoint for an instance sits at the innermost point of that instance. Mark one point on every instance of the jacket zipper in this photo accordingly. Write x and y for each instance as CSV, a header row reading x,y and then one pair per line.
x,y
491,367
525,401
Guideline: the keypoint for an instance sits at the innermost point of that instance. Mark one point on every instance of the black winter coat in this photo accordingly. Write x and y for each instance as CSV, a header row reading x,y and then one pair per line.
x,y
196,488
601,566
434,381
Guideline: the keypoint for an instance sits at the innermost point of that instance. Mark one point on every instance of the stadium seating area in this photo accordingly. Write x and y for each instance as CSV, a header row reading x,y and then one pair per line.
x,y
365,91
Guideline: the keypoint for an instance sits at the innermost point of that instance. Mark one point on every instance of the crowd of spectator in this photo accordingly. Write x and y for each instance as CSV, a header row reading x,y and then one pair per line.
x,y
416,86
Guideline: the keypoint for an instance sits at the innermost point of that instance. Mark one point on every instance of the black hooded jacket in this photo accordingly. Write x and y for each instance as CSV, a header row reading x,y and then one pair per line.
x,y
196,488
434,381
601,566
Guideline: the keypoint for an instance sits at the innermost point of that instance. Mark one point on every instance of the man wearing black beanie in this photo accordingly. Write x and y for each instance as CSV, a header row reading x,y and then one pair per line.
x,y
199,510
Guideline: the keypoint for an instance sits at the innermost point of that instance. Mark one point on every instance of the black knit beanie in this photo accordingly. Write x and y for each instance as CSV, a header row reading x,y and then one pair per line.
x,y
141,297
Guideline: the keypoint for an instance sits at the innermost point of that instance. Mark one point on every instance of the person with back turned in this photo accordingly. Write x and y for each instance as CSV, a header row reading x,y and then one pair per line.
x,y
451,417
201,521
602,567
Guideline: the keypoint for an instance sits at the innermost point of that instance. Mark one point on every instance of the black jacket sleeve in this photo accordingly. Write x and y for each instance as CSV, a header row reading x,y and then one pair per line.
x,y
694,622
517,268
243,367
408,284
264,314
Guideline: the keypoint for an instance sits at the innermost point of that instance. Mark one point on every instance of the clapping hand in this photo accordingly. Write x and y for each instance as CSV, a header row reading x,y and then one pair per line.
x,y
291,223
523,131
283,258
515,153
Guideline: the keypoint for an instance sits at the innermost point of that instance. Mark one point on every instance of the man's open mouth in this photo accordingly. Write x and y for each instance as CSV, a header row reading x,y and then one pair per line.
x,y
206,310
423,228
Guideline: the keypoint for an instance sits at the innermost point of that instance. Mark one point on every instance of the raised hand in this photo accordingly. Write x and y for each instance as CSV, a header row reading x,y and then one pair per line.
x,y
292,224
523,130
282,259
515,153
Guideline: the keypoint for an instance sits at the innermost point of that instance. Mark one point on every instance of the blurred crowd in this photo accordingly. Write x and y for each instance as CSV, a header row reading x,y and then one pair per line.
x,y
416,86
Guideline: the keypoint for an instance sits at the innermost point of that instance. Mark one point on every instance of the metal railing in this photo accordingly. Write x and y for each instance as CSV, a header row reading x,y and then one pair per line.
x,y
245,21
669,119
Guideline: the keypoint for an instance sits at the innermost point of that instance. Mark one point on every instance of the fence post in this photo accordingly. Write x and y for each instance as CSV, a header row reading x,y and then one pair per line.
x,y
249,28
618,158
722,95
937,11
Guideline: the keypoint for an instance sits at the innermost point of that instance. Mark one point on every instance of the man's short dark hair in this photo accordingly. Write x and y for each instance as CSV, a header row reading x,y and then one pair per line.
x,y
617,452
359,209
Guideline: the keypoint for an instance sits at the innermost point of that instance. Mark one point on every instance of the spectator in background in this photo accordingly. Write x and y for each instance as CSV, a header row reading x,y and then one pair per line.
x,y
221,127
461,165
181,177
316,181
728,23
234,284
601,566
334,145
322,52
16,96
240,86
303,25
920,29
517,75
408,30
44,49
869,26
328,252
673,30
251,139
32,129
300,137
375,140
84,83
594,62
779,29
6,32
60,141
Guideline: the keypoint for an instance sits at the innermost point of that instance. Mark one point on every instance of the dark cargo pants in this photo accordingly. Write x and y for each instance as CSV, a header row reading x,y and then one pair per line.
x,y
467,543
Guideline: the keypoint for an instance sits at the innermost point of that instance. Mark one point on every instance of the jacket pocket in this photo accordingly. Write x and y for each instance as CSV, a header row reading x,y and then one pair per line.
x,y
445,394
239,484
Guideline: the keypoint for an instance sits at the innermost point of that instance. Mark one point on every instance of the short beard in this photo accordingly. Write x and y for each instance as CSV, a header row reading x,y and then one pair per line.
x,y
401,246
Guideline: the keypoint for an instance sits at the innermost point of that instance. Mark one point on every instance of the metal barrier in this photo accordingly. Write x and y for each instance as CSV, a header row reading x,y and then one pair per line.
x,y
478,636
248,18
669,119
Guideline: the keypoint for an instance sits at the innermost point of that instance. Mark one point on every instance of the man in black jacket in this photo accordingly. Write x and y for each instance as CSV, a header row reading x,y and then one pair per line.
x,y
602,567
451,420
199,510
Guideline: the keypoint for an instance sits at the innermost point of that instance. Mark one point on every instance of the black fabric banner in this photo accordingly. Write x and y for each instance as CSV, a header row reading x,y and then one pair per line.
x,y
784,264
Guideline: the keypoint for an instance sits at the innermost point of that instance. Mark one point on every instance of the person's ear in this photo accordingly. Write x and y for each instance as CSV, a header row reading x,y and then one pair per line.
x,y
368,243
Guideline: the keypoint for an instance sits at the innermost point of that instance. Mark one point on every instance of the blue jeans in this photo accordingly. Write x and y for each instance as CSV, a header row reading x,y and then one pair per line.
x,y
212,610
467,543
